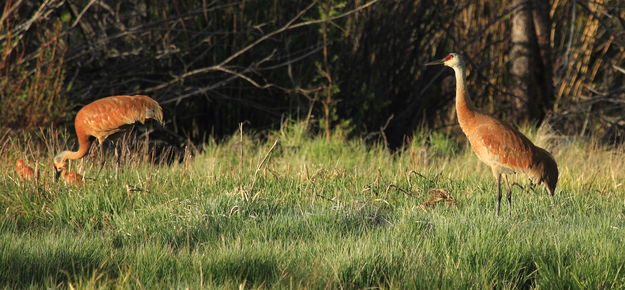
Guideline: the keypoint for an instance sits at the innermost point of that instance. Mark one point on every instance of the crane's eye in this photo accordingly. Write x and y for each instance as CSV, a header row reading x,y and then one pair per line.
x,y
448,57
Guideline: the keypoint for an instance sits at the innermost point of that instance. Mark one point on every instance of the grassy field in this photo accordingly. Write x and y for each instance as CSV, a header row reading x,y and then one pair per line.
x,y
313,214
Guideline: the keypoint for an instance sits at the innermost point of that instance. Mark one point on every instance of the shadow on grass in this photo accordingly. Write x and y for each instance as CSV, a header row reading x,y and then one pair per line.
x,y
373,270
21,266
253,268
263,220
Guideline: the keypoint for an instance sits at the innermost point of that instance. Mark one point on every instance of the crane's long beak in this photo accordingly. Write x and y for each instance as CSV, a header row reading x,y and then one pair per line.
x,y
56,172
436,62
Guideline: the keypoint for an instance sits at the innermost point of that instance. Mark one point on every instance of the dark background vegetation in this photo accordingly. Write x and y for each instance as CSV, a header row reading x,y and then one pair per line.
x,y
354,66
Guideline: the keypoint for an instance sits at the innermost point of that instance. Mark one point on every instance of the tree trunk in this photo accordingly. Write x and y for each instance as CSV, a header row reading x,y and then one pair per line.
x,y
521,59
544,67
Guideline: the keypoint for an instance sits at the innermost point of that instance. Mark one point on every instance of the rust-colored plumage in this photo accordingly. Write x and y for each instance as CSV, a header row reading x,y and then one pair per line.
x,y
71,178
498,144
24,172
103,118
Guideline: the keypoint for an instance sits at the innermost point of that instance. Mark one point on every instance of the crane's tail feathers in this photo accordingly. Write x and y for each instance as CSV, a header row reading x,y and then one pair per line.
x,y
151,109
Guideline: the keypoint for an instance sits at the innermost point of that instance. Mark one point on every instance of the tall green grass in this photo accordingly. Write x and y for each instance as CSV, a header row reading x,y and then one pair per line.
x,y
315,214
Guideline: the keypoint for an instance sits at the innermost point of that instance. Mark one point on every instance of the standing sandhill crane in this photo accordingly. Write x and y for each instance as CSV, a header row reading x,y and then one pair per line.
x,y
24,172
498,144
103,118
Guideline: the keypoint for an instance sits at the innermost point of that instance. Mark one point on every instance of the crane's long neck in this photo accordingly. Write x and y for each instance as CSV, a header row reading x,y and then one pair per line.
x,y
464,106
83,147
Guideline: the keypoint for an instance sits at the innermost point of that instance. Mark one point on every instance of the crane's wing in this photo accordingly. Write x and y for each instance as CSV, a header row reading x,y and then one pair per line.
x,y
499,144
103,117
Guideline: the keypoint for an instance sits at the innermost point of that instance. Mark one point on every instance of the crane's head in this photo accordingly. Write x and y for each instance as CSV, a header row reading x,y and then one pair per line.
x,y
549,174
451,60
544,170
60,164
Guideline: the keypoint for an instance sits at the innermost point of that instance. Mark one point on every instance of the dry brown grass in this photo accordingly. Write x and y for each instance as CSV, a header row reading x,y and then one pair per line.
x,y
32,88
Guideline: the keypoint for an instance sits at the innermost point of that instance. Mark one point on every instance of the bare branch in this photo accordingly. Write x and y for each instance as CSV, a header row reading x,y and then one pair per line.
x,y
82,13
221,66
46,8
618,68
6,13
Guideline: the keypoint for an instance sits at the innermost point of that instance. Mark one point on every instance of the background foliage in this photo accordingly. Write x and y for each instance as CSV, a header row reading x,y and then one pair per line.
x,y
352,65
290,199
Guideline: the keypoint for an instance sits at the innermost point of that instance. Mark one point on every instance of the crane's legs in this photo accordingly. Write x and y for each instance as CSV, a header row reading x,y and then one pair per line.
x,y
508,195
498,193
101,153
101,161
98,153
94,152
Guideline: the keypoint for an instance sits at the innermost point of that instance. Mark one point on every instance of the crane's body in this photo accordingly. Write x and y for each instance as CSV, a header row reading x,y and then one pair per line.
x,y
24,172
103,118
499,145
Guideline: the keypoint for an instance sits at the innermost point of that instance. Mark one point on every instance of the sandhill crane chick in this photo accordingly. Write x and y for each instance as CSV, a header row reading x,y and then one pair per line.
x,y
24,172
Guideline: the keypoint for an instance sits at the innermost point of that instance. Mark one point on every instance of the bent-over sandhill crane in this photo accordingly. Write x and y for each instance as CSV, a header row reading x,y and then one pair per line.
x,y
498,144
104,117
24,172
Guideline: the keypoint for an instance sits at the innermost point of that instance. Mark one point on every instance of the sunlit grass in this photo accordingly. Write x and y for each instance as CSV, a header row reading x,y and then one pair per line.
x,y
315,214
